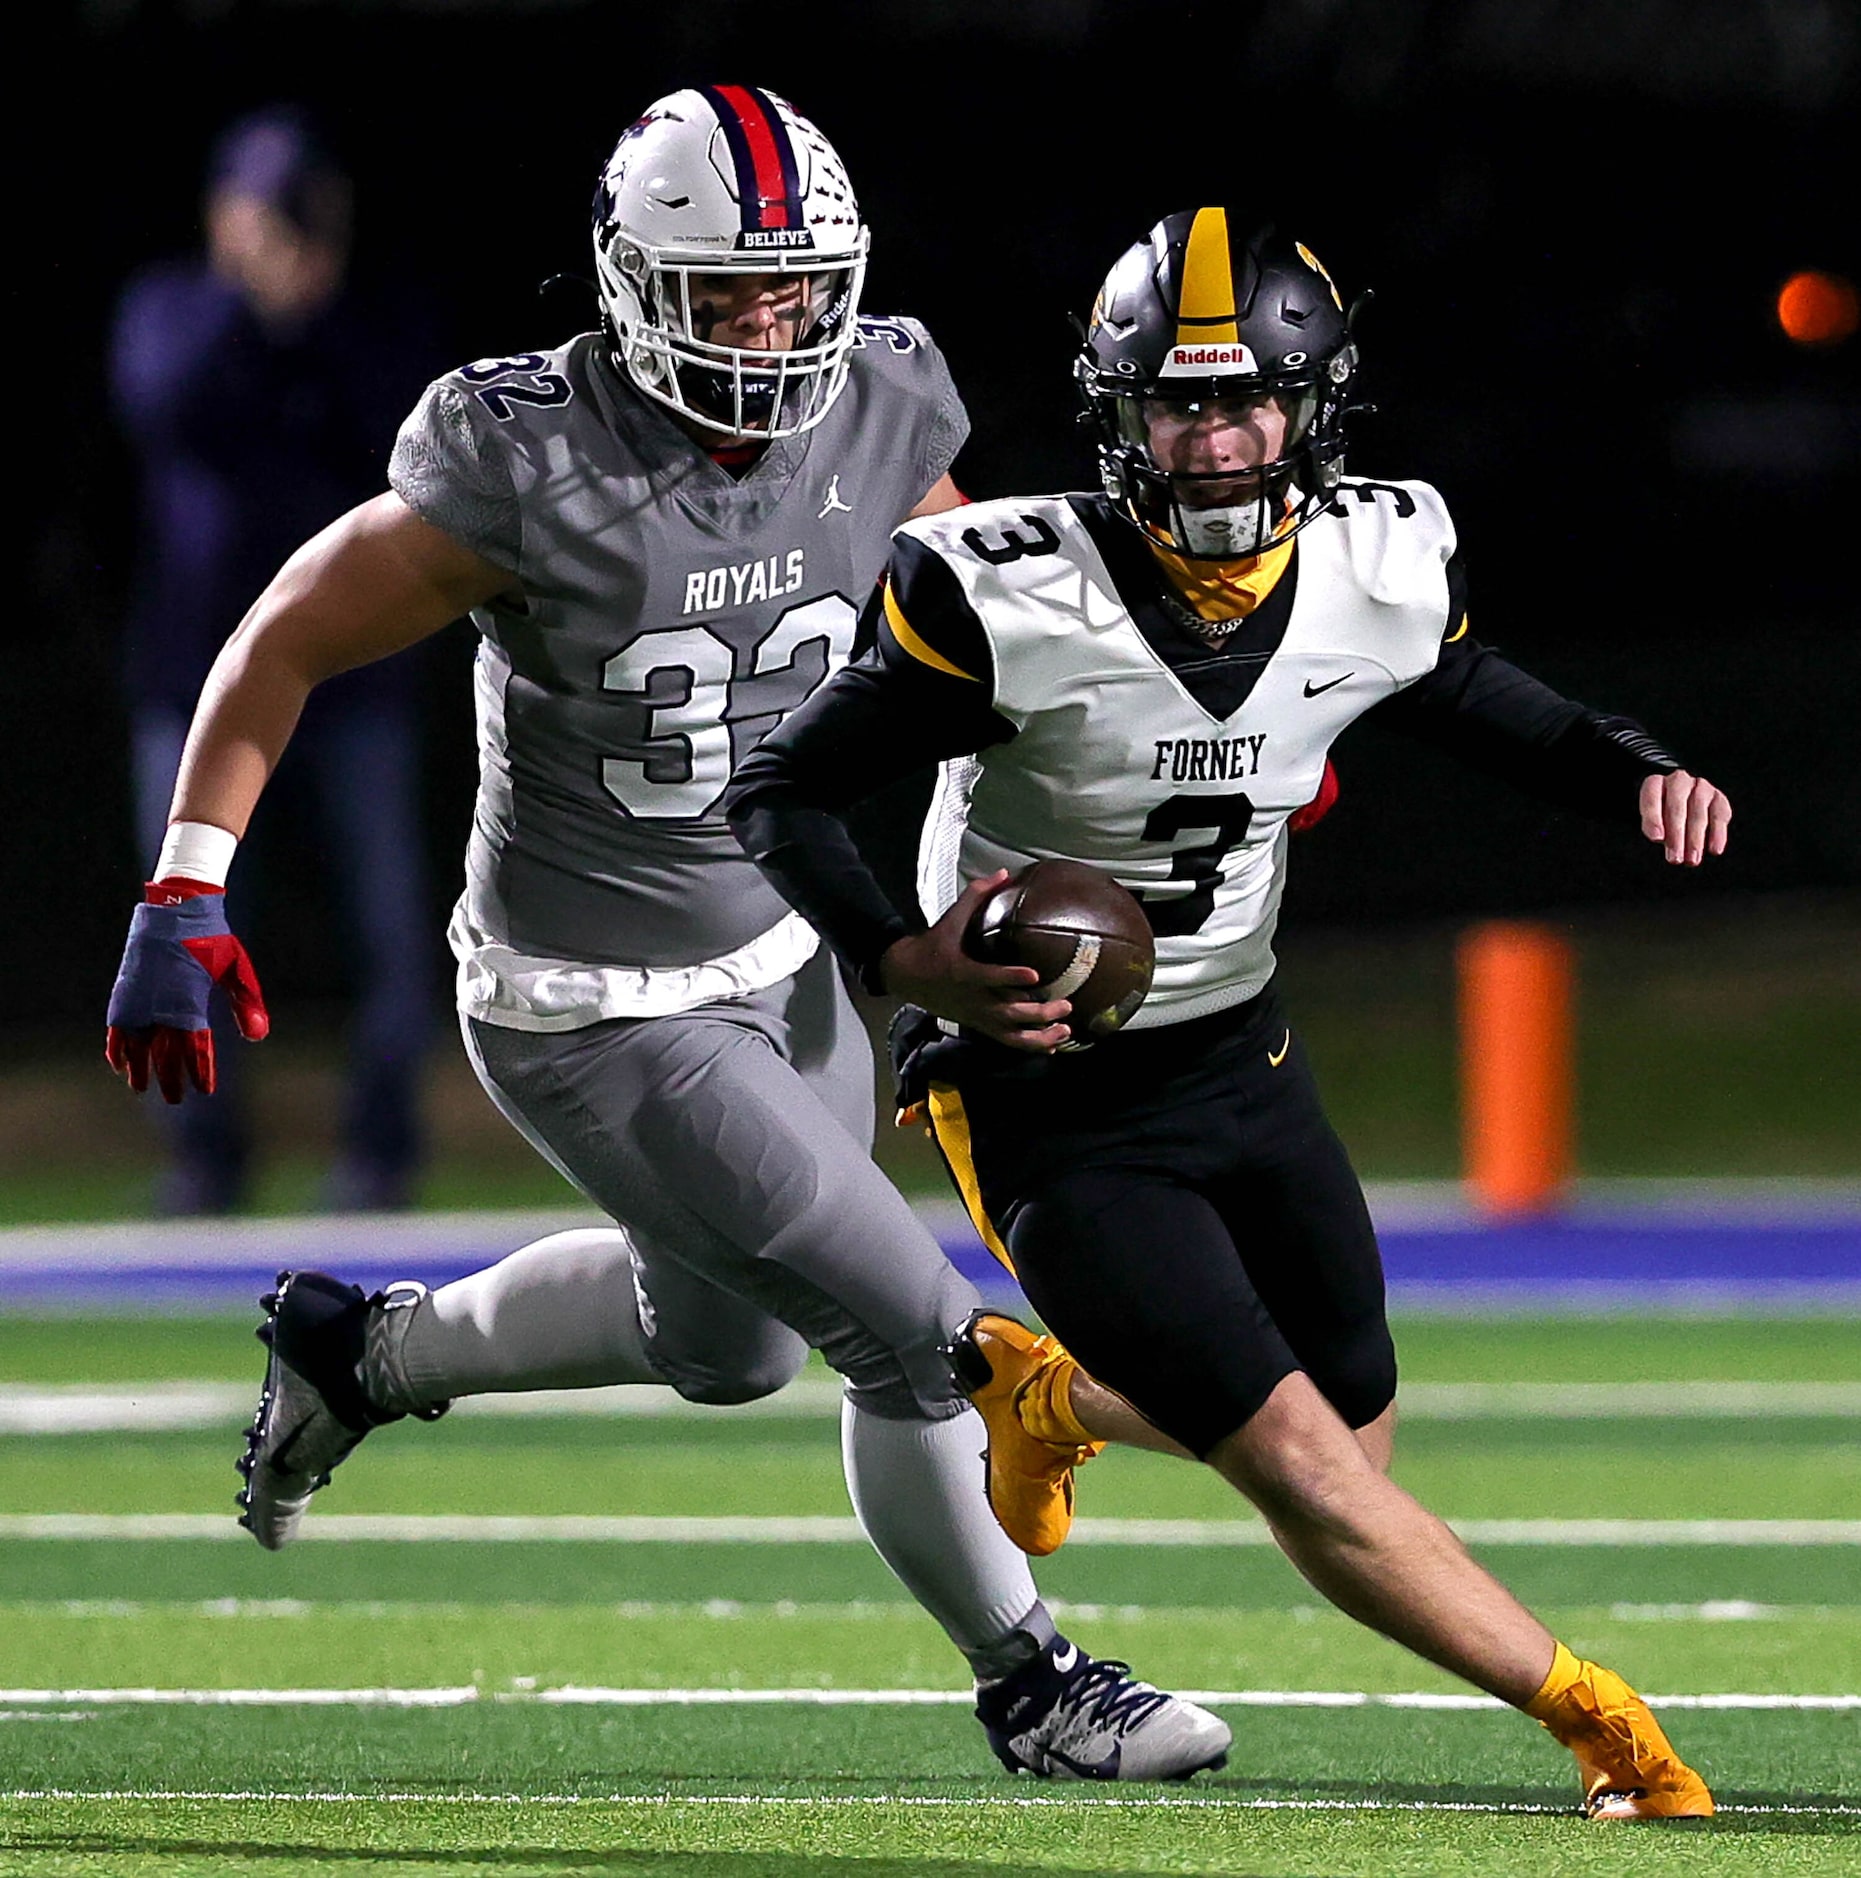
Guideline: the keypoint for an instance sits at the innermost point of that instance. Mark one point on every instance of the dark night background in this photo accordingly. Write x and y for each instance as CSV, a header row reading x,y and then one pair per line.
x,y
1575,217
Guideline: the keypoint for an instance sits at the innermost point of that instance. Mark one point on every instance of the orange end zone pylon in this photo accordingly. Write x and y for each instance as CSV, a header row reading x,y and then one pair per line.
x,y
1516,1077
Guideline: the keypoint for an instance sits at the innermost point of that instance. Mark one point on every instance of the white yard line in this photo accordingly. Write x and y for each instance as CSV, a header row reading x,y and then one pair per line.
x,y
574,1696
729,1610
244,1698
162,1407
149,1408
1078,1796
158,1407
313,1240
1627,1401
733,1610
642,1529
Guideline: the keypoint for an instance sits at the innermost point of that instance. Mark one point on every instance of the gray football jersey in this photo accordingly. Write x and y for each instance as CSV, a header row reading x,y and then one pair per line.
x,y
668,615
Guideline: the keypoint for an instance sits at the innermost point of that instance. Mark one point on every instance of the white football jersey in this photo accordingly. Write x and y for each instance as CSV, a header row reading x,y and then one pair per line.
x,y
1128,760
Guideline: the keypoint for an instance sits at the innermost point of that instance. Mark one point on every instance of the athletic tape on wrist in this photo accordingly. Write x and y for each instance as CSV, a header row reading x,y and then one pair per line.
x,y
196,851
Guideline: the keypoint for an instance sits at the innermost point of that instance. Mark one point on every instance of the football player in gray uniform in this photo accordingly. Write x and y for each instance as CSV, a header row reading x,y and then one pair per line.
x,y
1148,680
661,531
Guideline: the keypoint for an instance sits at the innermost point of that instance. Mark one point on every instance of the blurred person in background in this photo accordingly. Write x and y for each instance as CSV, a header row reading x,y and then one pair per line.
x,y
261,391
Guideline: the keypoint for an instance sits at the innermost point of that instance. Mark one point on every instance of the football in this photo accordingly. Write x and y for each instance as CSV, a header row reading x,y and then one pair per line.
x,y
1086,935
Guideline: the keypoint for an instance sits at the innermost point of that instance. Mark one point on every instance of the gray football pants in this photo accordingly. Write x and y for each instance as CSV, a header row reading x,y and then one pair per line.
x,y
730,1143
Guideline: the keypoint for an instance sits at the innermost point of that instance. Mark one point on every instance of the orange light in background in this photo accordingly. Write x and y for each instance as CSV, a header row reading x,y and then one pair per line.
x,y
1816,309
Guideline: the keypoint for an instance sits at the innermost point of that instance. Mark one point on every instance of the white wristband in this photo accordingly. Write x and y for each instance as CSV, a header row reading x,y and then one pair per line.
x,y
196,851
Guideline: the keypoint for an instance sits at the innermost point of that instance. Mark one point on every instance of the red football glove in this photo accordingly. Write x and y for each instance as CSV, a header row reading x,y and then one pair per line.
x,y
1319,807
179,948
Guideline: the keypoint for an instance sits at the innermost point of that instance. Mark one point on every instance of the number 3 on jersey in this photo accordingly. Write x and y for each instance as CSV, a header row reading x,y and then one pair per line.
x,y
685,678
1225,819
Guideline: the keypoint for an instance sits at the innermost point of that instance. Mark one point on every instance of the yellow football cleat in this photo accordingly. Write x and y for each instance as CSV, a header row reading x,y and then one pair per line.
x,y
1018,1381
1627,1765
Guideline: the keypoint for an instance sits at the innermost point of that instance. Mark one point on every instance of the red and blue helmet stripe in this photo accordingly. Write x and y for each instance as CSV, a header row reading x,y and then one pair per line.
x,y
768,177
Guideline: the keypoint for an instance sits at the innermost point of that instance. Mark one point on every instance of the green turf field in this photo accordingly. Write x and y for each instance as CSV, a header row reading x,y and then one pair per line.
x,y
762,1699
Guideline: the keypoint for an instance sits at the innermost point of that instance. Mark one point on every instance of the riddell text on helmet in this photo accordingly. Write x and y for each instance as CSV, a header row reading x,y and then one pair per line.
x,y
1240,357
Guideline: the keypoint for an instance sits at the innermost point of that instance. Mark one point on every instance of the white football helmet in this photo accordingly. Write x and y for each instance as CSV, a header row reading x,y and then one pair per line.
x,y
726,180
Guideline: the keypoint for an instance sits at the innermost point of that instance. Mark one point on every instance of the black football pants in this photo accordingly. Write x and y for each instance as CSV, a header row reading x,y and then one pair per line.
x,y
1182,1216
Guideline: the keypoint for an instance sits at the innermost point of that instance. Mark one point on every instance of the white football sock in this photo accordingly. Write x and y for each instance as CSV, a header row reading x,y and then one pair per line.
x,y
561,1313
918,1490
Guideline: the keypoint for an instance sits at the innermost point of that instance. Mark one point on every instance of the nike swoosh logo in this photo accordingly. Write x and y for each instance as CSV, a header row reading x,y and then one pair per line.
x,y
1063,1660
1312,690
1277,1057
281,1454
1107,1769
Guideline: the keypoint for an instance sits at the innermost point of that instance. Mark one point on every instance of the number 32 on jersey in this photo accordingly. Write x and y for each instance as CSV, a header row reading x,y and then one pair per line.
x,y
687,679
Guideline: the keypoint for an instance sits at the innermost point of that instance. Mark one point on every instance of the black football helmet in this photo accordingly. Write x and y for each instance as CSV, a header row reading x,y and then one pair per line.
x,y
1204,308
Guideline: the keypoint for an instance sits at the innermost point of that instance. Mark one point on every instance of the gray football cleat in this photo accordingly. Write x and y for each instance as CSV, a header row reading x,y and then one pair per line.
x,y
1070,1716
313,1409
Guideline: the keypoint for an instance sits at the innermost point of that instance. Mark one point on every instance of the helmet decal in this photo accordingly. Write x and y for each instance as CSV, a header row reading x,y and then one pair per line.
x,y
1319,268
1205,313
1197,361
768,180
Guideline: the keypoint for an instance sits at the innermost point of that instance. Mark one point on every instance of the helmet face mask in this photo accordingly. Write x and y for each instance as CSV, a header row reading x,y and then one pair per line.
x,y
717,199
1216,375
1215,476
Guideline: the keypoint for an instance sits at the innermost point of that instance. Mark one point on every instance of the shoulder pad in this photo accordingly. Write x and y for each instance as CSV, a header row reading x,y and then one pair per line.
x,y
998,531
506,388
894,350
1399,535
927,612
890,332
901,386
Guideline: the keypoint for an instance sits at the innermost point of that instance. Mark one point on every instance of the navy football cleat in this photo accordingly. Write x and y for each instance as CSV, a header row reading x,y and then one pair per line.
x,y
1069,1716
313,1409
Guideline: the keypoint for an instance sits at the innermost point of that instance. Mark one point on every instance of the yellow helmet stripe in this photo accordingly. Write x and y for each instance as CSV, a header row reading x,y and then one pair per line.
x,y
924,654
1205,314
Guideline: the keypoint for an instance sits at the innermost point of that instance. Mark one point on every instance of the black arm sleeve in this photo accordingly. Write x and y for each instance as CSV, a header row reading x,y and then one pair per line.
x,y
1505,723
792,798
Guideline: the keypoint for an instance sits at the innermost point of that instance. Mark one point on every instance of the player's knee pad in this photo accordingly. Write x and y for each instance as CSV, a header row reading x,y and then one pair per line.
x,y
906,1381
893,1360
900,1398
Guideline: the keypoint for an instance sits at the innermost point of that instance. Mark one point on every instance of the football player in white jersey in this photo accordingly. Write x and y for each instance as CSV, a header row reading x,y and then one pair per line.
x,y
1148,680
661,531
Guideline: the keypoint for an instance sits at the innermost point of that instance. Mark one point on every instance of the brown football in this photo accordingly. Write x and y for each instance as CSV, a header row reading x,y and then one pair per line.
x,y
1086,935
